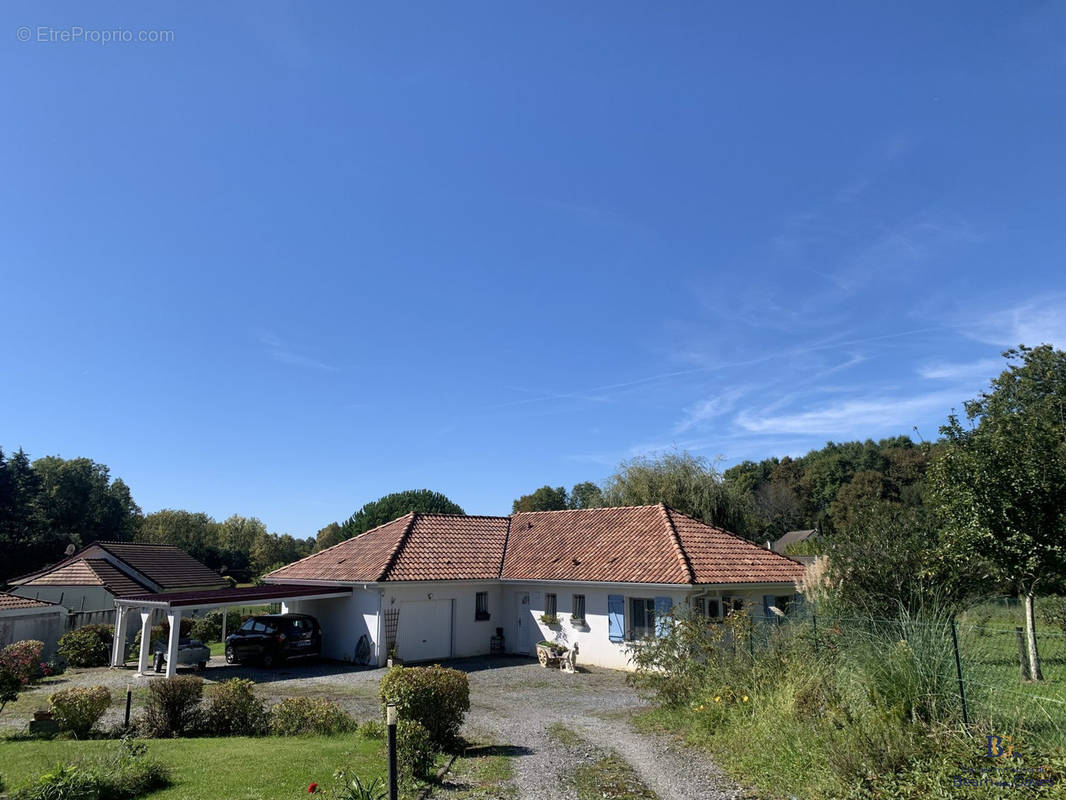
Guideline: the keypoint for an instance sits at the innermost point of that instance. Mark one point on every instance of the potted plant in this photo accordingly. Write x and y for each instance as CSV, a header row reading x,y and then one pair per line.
x,y
549,619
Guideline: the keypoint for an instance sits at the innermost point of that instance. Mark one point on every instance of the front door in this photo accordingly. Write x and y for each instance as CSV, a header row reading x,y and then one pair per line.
x,y
524,637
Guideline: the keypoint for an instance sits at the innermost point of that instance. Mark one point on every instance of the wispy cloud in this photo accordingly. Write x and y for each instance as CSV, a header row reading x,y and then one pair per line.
x,y
1041,320
696,415
985,367
282,352
851,417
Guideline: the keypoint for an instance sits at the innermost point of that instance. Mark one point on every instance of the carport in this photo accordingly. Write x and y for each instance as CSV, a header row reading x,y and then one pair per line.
x,y
177,603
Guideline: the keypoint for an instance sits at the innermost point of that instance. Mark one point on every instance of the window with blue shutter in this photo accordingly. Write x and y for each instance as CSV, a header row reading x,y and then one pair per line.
x,y
616,610
662,608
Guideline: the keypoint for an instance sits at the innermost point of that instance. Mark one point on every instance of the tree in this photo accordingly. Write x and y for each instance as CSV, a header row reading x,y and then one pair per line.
x,y
543,499
194,532
328,536
1001,482
682,481
586,495
81,502
387,508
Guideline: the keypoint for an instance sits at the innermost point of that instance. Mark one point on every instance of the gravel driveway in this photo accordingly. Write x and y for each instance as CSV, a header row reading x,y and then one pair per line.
x,y
513,701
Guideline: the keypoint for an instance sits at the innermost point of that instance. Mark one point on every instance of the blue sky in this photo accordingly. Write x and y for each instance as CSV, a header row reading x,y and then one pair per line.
x,y
299,257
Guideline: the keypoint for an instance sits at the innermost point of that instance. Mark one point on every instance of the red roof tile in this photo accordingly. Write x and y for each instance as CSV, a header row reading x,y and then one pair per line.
x,y
90,572
9,601
639,544
415,547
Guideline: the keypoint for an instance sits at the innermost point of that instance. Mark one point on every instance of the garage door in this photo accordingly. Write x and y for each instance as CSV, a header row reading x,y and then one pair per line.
x,y
425,631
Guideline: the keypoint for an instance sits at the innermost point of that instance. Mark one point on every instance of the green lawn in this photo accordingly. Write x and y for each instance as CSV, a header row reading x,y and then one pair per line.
x,y
270,768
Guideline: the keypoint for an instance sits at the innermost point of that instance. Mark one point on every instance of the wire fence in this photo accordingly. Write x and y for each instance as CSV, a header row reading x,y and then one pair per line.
x,y
975,670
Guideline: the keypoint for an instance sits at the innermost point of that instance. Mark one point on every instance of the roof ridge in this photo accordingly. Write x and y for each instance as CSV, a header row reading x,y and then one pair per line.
x,y
503,553
679,549
391,560
594,508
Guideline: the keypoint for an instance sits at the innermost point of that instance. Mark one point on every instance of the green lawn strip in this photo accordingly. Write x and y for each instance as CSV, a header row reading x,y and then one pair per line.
x,y
607,776
238,768
483,773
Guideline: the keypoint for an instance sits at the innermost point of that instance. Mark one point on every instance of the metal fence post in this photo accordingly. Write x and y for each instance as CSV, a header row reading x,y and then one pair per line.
x,y
958,673
390,718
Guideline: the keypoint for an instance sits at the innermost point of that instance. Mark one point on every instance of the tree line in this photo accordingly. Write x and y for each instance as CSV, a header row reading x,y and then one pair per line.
x,y
52,503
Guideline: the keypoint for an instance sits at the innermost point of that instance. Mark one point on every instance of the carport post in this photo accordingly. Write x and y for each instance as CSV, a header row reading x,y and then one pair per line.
x,y
225,613
390,718
146,640
174,618
118,646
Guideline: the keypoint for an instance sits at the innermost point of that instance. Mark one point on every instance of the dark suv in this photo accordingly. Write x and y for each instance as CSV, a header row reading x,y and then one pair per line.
x,y
273,638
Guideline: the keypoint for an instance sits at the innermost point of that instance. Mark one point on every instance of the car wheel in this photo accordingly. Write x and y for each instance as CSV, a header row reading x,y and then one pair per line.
x,y
231,657
268,660
201,666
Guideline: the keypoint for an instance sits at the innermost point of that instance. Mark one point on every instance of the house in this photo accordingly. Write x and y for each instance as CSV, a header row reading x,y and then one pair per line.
x,y
793,538
89,581
438,586
23,618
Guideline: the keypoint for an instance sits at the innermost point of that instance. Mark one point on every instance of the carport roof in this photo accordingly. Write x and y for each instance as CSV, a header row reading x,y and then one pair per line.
x,y
208,598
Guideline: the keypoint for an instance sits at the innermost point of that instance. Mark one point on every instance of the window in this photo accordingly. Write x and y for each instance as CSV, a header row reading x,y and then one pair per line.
x,y
247,624
641,617
707,607
731,604
550,605
577,609
481,605
783,602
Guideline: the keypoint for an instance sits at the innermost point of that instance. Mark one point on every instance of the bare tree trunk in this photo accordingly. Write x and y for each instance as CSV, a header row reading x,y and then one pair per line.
x,y
1030,633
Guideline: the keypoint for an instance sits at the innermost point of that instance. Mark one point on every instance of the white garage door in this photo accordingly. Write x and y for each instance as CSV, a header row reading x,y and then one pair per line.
x,y
424,632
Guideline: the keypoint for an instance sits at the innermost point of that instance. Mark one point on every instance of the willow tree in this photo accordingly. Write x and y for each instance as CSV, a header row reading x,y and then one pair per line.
x,y
1000,481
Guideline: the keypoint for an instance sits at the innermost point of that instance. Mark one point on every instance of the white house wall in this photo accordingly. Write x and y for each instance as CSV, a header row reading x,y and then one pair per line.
x,y
469,636
343,621
74,598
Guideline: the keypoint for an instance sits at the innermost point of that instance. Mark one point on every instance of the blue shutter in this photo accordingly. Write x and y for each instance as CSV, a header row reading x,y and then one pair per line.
x,y
662,608
616,610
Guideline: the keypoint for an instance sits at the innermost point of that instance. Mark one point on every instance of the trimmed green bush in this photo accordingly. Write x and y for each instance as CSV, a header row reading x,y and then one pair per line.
x,y
436,696
208,628
84,647
372,729
78,709
234,710
173,707
307,716
415,750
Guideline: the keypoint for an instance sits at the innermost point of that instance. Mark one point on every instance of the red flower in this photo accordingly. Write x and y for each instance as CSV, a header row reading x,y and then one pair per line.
x,y
312,789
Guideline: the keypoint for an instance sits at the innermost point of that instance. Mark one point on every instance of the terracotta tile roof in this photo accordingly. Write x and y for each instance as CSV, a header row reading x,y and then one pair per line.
x,y
718,556
9,601
169,566
627,545
415,547
90,572
639,544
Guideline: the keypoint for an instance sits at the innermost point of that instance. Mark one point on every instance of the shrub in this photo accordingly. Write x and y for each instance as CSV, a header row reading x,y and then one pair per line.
x,y
234,710
436,696
122,774
372,729
23,660
1053,611
305,716
84,648
415,750
63,782
80,708
208,628
173,707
